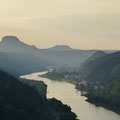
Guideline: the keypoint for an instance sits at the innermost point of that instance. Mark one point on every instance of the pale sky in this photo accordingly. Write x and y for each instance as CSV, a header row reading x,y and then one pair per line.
x,y
84,24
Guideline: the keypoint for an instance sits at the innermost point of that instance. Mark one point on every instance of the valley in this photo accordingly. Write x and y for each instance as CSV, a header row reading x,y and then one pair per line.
x,y
75,77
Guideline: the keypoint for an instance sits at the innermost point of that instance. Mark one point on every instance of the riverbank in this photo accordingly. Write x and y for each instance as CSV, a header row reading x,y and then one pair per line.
x,y
97,102
40,86
101,103
67,93
58,79
56,107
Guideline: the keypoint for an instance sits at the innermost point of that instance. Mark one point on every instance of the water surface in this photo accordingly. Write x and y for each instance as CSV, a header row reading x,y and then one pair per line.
x,y
67,93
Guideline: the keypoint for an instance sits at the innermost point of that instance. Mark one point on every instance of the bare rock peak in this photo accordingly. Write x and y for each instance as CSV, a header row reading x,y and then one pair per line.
x,y
10,39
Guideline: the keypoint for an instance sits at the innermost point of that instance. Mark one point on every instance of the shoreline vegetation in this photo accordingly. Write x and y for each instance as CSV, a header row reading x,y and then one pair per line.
x,y
60,111
60,80
40,86
100,103
93,100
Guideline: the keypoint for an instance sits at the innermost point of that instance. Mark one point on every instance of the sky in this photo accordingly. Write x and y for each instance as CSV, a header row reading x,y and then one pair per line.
x,y
82,24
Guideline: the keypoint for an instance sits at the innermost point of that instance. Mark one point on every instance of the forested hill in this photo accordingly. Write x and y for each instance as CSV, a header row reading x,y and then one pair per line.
x,y
19,101
103,80
85,65
101,68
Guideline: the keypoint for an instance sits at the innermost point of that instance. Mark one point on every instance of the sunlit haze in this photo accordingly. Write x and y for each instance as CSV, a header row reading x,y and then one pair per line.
x,y
84,24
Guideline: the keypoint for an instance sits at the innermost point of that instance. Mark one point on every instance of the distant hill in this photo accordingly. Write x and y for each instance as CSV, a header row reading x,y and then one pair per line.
x,y
21,63
19,58
85,68
13,44
100,69
60,48
66,57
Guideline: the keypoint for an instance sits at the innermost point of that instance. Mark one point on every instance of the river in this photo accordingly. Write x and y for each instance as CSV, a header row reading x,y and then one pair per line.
x,y
67,93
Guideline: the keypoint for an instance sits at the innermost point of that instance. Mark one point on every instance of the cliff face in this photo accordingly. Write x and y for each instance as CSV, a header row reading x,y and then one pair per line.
x,y
13,44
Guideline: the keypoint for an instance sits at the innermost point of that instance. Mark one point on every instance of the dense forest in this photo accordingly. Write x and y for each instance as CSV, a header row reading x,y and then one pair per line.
x,y
40,86
19,101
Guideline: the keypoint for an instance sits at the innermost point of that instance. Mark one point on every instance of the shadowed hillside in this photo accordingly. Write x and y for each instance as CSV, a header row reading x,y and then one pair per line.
x,y
18,101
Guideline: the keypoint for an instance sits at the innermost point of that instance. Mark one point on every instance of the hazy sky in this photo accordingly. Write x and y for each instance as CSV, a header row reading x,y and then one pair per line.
x,y
84,24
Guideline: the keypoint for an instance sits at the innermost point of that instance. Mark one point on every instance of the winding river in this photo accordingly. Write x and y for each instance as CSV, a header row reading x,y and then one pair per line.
x,y
67,93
